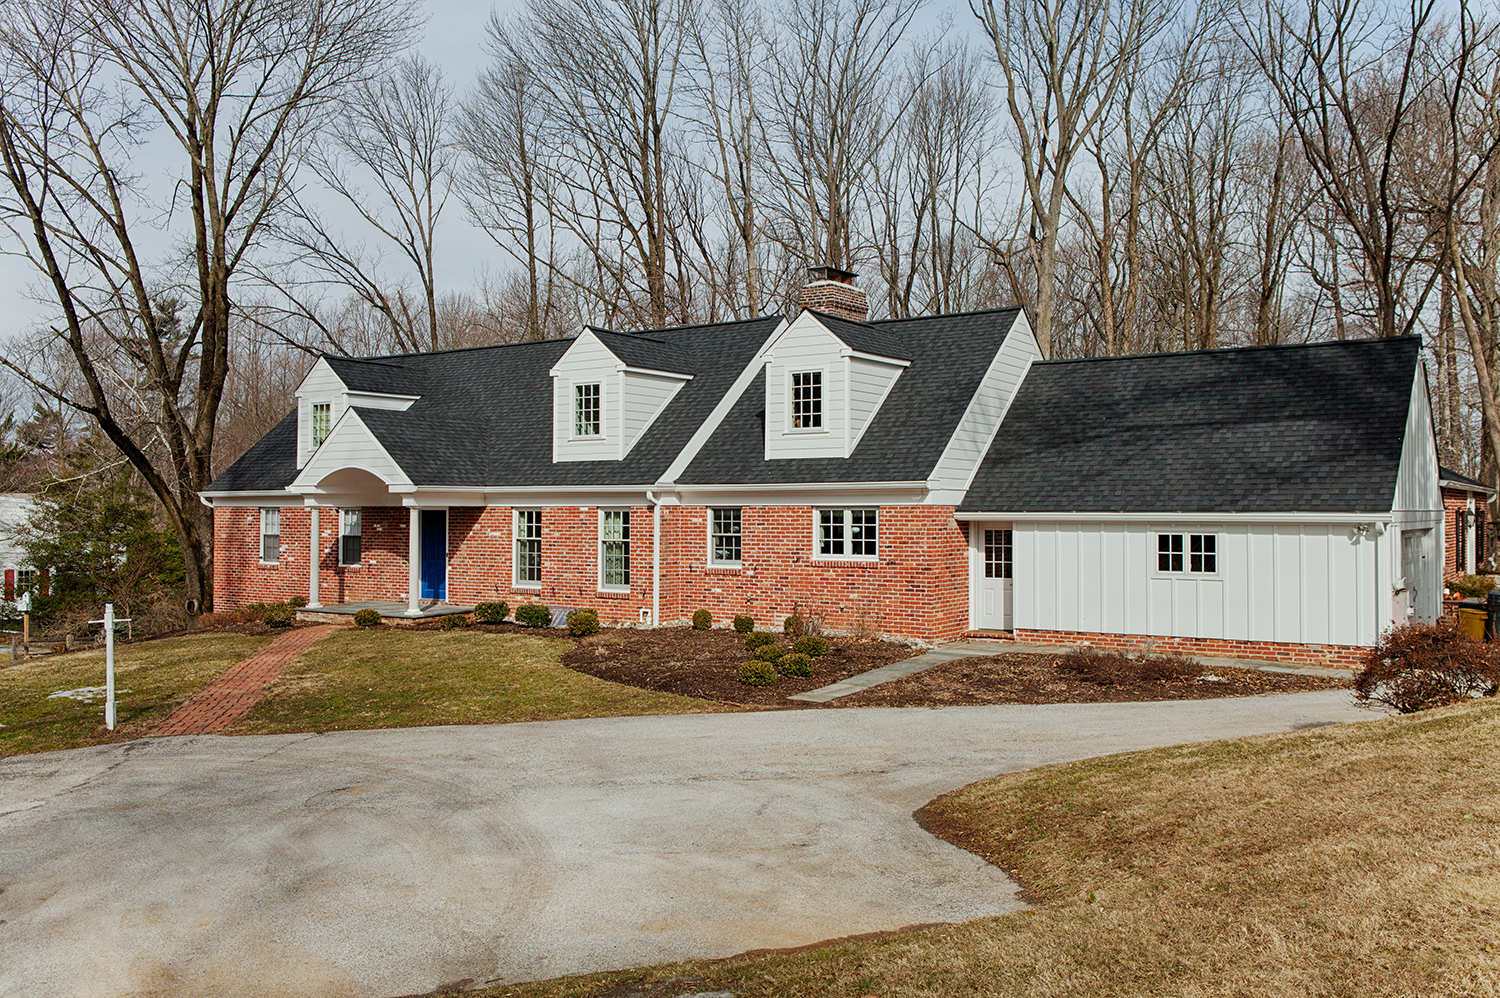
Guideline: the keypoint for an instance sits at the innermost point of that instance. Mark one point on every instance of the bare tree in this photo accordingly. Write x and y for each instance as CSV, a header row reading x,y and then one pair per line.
x,y
234,86
389,159
1063,64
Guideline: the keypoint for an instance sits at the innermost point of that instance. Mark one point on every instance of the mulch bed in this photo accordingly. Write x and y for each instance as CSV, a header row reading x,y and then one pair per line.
x,y
1035,678
706,664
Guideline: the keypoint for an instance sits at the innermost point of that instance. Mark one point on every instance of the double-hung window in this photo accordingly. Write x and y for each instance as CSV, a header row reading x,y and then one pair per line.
x,y
586,408
807,400
322,417
528,546
270,535
1200,555
25,580
998,549
724,536
614,548
847,533
350,528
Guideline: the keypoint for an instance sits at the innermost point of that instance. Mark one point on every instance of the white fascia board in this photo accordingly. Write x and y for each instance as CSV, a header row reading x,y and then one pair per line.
x,y
355,397
1384,516
653,372
849,351
1479,490
580,338
706,429
322,366
279,497
815,494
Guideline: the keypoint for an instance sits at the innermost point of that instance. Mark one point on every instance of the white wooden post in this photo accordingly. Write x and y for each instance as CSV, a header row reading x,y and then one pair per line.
x,y
414,574
109,666
314,556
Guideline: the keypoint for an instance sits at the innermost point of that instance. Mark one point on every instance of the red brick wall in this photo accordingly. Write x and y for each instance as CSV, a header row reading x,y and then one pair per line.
x,y
240,578
1339,656
1454,500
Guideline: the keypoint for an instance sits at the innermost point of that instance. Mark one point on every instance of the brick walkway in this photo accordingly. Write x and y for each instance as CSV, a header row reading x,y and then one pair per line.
x,y
230,697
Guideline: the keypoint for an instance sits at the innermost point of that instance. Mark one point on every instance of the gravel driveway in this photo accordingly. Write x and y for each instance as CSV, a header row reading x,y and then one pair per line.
x,y
393,862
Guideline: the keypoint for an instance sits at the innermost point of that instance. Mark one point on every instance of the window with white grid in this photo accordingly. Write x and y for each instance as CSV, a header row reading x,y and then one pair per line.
x,y
614,548
807,400
528,546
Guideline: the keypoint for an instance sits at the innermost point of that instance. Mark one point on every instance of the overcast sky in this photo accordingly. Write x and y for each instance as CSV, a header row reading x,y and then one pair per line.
x,y
453,39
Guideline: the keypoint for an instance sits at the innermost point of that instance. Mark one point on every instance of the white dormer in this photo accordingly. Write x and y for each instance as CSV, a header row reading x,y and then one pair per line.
x,y
607,390
322,400
822,392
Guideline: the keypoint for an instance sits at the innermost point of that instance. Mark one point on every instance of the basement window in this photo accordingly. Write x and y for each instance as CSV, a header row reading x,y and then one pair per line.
x,y
1201,556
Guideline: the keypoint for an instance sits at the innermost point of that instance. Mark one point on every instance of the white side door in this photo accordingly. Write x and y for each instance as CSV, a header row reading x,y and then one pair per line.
x,y
994,598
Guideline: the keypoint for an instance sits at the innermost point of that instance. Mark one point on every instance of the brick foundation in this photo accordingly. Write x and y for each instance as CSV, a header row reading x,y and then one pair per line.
x,y
1337,656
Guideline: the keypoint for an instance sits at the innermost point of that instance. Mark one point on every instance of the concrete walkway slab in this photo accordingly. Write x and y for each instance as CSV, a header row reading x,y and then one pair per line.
x,y
377,863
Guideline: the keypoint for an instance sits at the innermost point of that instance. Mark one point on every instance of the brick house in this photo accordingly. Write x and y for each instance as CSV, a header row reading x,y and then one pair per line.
x,y
1465,519
924,477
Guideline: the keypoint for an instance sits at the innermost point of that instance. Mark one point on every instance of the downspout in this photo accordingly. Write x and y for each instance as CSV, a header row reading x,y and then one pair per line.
x,y
655,502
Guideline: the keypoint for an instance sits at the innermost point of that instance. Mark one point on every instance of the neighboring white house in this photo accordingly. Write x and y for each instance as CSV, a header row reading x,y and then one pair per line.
x,y
15,508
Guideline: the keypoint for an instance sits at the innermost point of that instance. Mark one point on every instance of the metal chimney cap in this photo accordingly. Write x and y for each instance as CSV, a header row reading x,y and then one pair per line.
x,y
830,274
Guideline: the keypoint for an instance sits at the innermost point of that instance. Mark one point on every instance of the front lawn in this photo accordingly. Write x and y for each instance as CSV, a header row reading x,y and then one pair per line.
x,y
1356,860
393,677
151,678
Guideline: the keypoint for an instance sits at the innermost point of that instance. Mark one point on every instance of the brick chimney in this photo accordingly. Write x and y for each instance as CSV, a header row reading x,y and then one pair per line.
x,y
831,290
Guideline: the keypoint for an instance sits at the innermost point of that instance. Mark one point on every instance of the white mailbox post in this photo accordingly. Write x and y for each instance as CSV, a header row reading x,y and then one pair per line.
x,y
109,662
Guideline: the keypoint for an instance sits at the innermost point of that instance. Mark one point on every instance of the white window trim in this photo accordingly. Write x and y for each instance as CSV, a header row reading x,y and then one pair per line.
x,y
515,540
312,426
260,539
787,429
817,539
599,549
573,434
342,535
709,554
1187,543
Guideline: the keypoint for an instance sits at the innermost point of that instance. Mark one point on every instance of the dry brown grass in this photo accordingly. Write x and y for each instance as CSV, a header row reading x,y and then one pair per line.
x,y
1347,861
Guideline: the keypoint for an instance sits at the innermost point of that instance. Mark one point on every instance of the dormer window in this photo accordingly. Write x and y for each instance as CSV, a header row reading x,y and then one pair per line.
x,y
586,410
322,418
807,400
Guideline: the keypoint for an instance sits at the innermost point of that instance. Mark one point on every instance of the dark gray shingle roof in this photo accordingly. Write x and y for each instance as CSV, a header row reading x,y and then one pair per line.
x,y
485,415
866,337
1448,475
1314,428
642,350
949,356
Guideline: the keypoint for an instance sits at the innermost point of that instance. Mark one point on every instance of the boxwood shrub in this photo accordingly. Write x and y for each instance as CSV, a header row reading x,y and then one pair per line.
x,y
744,623
279,616
452,620
811,646
769,653
759,638
367,618
533,615
492,611
702,620
582,623
795,664
794,626
758,674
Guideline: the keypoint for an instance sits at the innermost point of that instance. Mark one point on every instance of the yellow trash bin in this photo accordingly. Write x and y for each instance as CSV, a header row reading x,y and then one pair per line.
x,y
1471,621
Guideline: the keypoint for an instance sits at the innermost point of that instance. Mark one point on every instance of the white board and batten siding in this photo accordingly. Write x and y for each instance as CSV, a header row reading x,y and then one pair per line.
x,y
1418,513
629,401
853,389
1304,583
323,387
976,429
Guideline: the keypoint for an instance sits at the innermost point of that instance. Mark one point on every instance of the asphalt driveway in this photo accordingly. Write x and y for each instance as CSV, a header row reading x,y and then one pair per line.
x,y
392,862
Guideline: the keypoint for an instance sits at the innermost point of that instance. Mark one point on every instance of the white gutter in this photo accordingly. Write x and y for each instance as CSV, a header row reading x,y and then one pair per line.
x,y
1167,516
655,502
804,486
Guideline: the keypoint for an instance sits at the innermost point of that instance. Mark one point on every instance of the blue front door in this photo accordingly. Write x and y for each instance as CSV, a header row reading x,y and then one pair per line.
x,y
434,554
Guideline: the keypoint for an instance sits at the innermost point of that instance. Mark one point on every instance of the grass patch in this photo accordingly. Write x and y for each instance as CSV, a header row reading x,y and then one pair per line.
x,y
159,675
1352,860
395,678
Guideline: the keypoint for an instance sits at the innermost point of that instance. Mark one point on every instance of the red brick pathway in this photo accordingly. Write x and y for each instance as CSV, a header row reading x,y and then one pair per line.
x,y
230,697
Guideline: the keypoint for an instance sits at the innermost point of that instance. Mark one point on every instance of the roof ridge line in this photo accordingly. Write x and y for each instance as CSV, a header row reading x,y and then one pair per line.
x,y
1244,349
944,315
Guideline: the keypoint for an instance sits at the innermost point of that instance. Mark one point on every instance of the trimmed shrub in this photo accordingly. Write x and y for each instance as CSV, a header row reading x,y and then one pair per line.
x,y
769,653
297,602
812,647
582,623
795,664
702,620
1426,665
794,626
279,616
452,620
1115,668
758,673
744,623
1478,586
759,639
533,615
367,618
492,612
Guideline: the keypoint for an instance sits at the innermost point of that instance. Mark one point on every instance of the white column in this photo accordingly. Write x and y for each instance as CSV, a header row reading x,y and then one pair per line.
x,y
314,557
413,567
